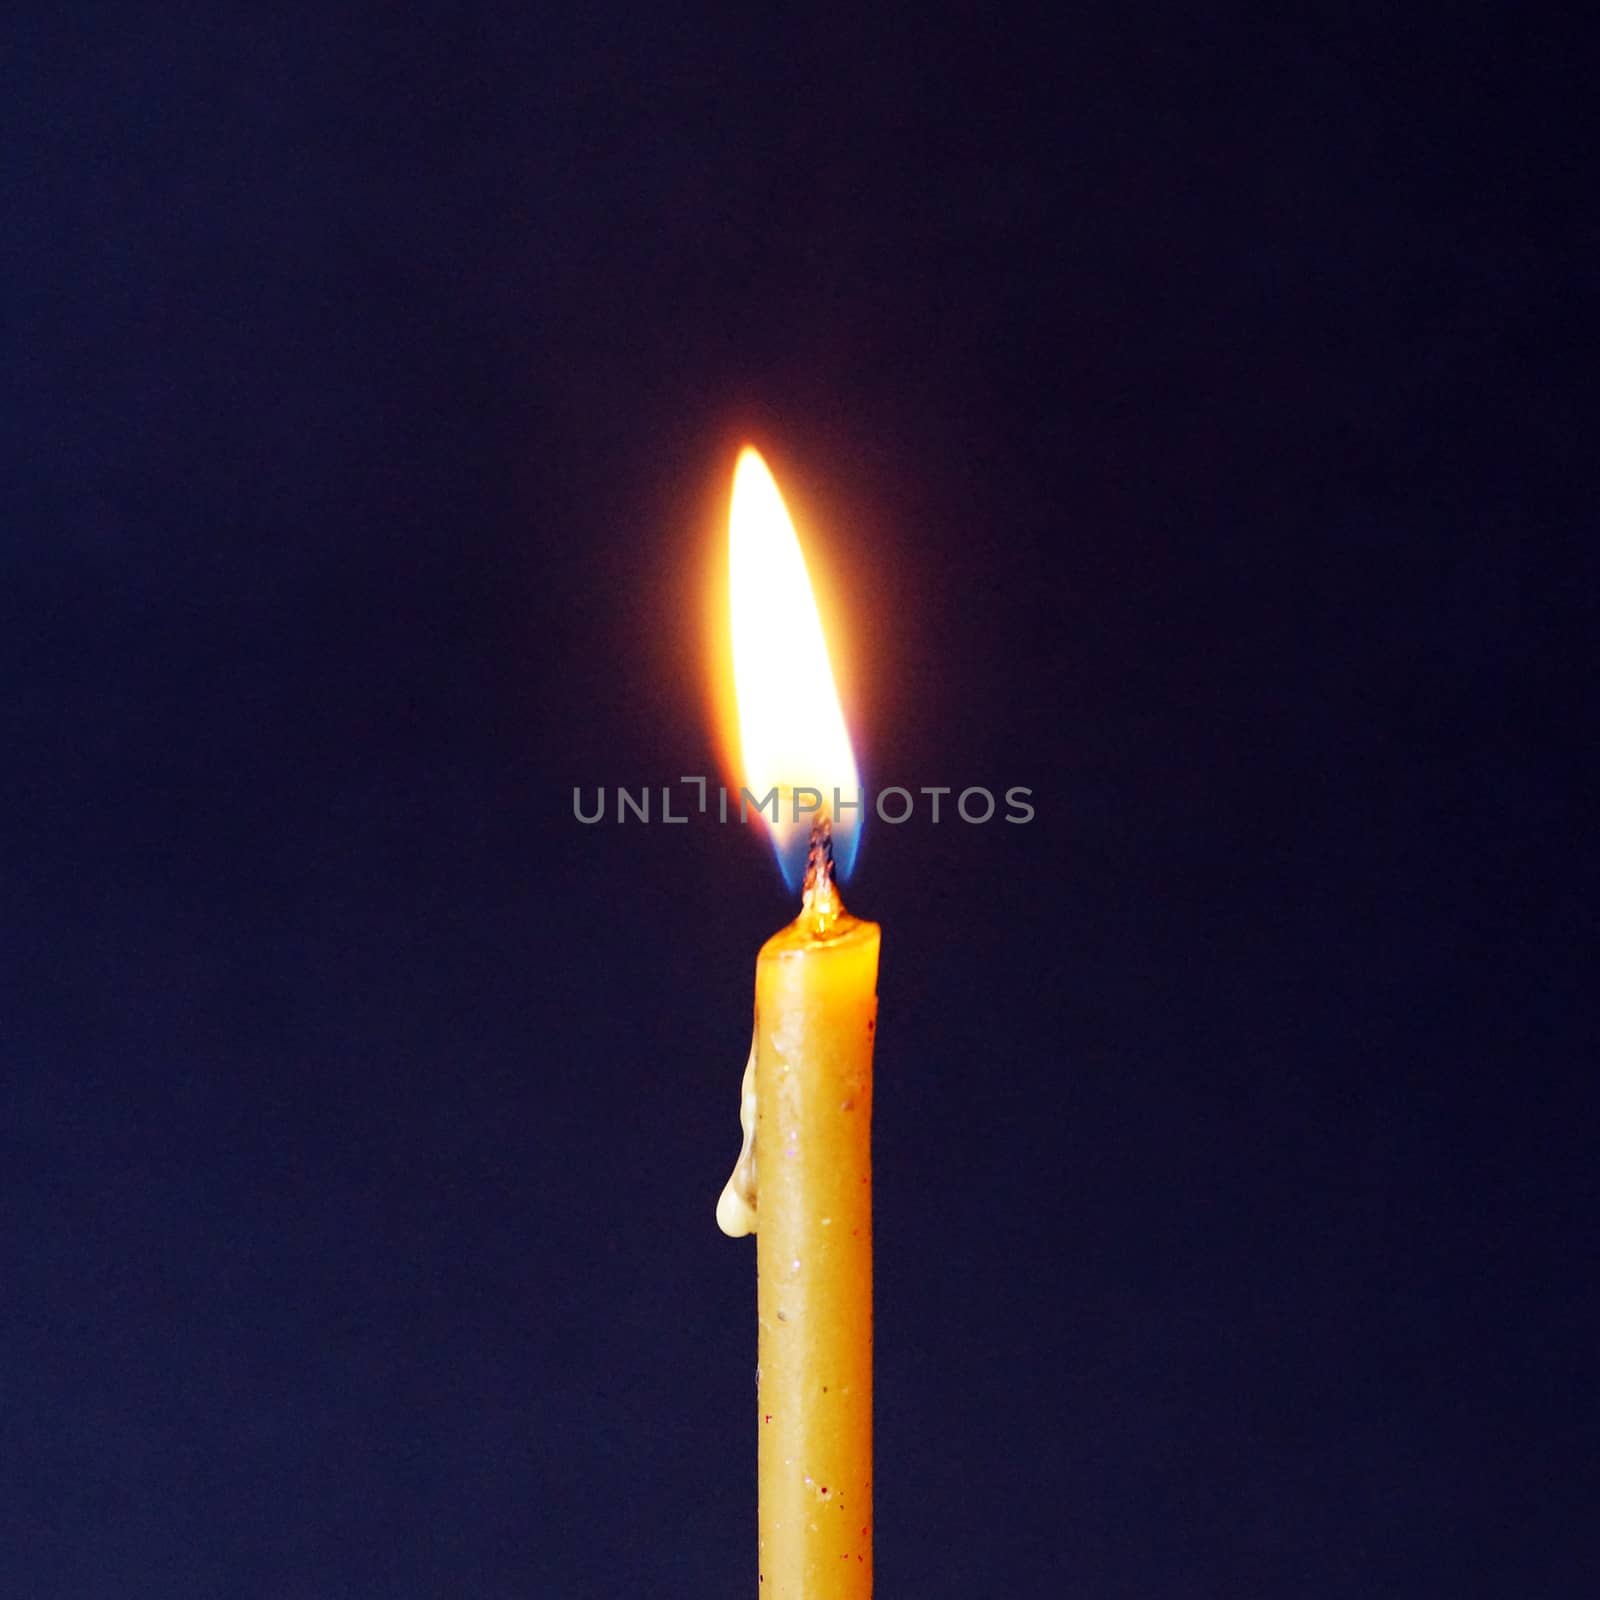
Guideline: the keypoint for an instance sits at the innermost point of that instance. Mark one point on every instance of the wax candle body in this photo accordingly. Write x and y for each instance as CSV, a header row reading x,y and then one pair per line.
x,y
816,1013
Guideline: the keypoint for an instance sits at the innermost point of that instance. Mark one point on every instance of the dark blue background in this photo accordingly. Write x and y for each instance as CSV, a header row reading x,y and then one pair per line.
x,y
1184,409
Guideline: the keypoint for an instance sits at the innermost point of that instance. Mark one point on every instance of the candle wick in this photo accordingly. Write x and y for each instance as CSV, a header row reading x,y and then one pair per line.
x,y
820,895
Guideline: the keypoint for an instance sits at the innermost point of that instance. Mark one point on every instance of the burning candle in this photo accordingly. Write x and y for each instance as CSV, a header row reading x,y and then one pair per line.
x,y
803,1183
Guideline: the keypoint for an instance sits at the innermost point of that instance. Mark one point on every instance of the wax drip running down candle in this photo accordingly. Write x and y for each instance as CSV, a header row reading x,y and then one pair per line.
x,y
736,1206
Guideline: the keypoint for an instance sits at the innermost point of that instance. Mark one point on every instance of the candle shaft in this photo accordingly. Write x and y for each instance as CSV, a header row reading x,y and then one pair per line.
x,y
816,1013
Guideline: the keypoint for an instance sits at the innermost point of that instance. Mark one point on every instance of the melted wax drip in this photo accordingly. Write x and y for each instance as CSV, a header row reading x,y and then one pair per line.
x,y
736,1208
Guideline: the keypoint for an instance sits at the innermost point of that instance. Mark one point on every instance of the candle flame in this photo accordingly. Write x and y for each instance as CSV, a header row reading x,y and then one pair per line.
x,y
792,737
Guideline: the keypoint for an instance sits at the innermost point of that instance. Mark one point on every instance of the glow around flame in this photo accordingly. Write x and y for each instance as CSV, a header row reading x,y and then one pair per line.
x,y
791,730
